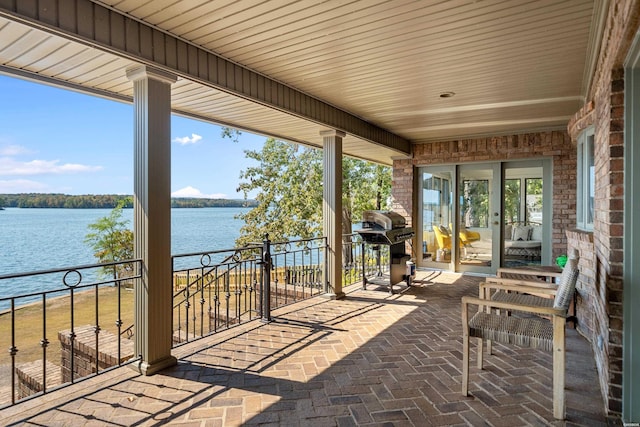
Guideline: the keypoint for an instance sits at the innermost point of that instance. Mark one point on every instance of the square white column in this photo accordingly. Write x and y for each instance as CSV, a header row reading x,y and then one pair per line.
x,y
152,217
332,210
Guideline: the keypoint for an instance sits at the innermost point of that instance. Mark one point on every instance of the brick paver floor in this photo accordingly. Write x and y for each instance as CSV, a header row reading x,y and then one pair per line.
x,y
372,359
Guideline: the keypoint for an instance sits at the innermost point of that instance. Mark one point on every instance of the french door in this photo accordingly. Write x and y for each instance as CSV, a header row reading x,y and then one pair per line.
x,y
479,218
470,211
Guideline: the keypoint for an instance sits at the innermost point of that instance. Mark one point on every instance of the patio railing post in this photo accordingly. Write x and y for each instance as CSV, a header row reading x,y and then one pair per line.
x,y
266,279
364,265
326,266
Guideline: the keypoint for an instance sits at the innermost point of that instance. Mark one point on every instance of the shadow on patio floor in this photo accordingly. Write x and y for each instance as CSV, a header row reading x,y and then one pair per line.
x,y
371,359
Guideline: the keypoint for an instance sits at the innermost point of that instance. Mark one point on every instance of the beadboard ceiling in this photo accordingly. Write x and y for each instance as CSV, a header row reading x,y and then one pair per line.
x,y
512,66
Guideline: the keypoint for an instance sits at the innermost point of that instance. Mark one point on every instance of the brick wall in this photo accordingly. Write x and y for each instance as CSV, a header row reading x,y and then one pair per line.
x,y
85,356
604,109
555,145
601,285
31,377
588,309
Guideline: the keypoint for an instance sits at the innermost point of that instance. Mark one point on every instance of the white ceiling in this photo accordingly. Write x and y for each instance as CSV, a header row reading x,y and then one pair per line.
x,y
514,65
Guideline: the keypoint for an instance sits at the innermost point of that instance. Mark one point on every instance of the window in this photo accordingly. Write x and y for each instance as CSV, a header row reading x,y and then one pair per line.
x,y
586,180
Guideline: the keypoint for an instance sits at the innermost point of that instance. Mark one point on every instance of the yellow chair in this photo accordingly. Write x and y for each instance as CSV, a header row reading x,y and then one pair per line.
x,y
467,236
443,237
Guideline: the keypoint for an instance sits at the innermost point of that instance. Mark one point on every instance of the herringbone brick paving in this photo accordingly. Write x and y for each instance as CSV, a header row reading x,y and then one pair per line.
x,y
373,359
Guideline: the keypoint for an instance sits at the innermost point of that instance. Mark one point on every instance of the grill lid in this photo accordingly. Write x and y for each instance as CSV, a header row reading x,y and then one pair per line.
x,y
386,237
384,227
387,220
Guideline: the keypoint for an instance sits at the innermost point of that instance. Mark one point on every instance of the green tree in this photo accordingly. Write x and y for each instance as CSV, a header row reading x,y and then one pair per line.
x,y
112,240
475,202
511,200
231,133
288,179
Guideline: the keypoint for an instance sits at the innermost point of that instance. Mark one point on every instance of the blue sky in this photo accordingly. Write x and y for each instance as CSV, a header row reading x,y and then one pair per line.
x,y
58,141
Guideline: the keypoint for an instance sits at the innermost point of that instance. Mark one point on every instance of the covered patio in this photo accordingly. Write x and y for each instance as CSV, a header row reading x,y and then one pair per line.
x,y
370,359
450,87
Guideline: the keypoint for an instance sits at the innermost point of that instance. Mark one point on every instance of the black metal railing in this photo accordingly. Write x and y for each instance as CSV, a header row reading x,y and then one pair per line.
x,y
360,258
77,322
214,290
70,330
219,289
298,271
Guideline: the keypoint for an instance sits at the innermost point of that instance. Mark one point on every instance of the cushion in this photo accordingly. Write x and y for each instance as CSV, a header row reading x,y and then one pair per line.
x,y
522,244
444,230
521,232
508,231
536,233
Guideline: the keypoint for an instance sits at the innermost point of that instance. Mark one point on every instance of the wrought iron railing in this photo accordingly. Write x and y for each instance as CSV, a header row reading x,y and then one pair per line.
x,y
71,330
298,271
219,289
78,321
214,290
360,258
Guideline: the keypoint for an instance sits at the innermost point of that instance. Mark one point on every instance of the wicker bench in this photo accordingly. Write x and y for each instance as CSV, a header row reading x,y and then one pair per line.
x,y
536,332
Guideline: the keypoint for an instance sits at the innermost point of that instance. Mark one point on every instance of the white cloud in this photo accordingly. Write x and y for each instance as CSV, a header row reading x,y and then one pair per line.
x,y
184,140
13,150
22,186
9,166
189,191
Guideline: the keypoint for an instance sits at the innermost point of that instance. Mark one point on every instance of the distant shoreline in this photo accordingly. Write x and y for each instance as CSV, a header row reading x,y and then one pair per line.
x,y
108,201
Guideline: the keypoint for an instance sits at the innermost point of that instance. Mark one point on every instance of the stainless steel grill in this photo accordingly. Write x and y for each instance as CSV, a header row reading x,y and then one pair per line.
x,y
384,228
387,228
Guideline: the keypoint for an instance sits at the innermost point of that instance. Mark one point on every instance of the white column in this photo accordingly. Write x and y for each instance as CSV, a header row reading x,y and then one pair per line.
x,y
332,210
152,216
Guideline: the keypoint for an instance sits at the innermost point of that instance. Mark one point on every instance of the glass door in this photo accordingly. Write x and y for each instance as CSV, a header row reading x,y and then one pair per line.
x,y
477,229
478,217
437,185
527,231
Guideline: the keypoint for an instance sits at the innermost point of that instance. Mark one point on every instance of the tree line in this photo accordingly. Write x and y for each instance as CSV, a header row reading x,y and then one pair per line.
x,y
108,201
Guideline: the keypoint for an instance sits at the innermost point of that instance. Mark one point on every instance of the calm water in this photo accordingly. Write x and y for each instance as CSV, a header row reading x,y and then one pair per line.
x,y
41,239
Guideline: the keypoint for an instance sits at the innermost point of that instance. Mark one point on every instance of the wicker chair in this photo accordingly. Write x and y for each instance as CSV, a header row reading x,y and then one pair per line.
x,y
535,332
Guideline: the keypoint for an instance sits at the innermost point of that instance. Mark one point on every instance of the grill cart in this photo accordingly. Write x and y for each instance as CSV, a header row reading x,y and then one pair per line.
x,y
387,228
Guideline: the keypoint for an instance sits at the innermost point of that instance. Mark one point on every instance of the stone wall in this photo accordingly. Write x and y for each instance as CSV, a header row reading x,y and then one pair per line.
x,y
555,145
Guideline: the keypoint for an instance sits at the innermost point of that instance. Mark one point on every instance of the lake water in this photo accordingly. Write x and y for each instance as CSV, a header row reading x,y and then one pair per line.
x,y
42,239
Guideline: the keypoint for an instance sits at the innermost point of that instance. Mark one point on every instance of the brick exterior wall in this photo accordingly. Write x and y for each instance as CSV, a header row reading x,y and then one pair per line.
x,y
589,308
555,145
600,285
602,291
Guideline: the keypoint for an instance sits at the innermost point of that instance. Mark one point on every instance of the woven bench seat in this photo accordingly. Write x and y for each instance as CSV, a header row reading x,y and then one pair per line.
x,y
513,330
525,299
